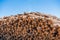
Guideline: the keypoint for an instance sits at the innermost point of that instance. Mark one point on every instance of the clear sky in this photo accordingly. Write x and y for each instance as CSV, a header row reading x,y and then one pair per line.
x,y
13,7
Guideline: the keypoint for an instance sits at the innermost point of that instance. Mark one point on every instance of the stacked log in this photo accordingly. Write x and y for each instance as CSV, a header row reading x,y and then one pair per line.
x,y
30,26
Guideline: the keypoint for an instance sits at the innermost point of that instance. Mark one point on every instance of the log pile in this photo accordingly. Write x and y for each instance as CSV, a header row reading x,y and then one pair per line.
x,y
30,26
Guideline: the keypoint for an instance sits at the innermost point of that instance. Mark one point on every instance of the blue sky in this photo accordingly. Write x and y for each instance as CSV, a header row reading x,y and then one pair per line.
x,y
13,7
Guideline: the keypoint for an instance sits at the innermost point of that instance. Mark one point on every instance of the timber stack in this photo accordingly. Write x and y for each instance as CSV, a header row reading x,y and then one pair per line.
x,y
30,26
